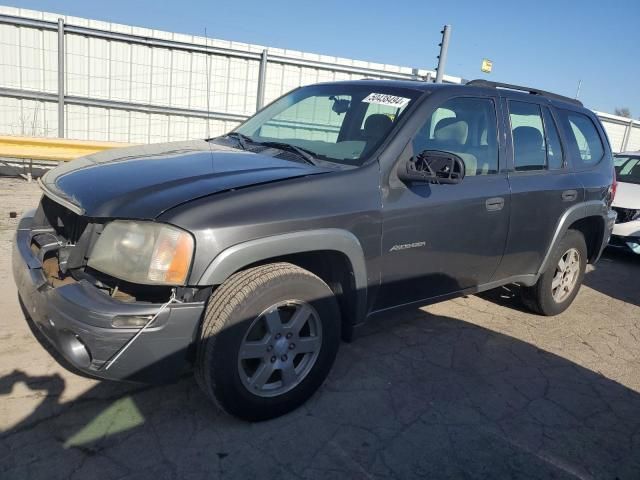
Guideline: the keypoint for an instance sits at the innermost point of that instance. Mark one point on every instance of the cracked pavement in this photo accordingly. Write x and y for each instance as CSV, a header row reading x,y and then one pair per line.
x,y
470,388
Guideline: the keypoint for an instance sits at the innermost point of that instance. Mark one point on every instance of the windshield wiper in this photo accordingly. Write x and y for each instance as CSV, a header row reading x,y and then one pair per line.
x,y
241,138
305,154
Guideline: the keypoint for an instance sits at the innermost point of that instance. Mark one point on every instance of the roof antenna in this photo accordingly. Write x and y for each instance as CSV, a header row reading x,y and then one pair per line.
x,y
578,90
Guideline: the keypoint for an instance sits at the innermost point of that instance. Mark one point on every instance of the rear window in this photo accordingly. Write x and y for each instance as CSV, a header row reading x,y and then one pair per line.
x,y
536,144
584,136
529,146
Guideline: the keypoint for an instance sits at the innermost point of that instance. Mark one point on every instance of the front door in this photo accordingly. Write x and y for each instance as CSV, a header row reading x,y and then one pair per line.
x,y
439,239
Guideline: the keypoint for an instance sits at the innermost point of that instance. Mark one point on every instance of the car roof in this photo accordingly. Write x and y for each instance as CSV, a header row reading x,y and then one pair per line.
x,y
628,154
423,86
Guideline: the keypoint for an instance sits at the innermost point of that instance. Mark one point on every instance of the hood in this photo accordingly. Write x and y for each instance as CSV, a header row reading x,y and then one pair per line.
x,y
627,195
144,181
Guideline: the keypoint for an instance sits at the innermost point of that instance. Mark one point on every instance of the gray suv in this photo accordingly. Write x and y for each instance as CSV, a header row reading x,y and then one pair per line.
x,y
249,256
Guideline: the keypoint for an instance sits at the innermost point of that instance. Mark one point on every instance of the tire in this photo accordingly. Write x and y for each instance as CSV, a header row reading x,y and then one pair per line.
x,y
258,309
540,298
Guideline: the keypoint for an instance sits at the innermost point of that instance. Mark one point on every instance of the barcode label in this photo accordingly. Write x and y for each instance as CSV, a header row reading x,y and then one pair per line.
x,y
384,99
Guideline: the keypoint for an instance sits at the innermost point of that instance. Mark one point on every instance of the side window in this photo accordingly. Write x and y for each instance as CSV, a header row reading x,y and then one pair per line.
x,y
529,146
587,140
465,126
554,147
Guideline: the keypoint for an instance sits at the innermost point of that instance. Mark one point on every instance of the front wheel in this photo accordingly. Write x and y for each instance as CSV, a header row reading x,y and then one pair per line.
x,y
558,286
268,340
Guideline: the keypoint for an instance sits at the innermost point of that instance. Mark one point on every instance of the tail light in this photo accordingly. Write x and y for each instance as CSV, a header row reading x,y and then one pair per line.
x,y
614,186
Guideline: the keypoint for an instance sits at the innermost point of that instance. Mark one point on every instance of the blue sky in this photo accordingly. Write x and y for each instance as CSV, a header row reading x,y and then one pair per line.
x,y
548,44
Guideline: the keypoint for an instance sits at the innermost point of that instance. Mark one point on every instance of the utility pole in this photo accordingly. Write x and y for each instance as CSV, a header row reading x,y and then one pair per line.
x,y
444,47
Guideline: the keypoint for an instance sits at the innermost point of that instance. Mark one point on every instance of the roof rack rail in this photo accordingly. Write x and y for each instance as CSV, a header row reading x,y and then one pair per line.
x,y
533,91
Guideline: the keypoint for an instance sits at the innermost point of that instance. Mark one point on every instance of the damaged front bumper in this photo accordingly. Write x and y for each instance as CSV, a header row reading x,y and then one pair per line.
x,y
76,319
626,235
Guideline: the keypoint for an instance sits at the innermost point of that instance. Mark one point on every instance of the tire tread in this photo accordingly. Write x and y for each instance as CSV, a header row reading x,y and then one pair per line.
x,y
536,298
222,303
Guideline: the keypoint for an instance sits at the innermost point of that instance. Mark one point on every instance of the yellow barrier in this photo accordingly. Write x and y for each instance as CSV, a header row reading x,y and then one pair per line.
x,y
57,149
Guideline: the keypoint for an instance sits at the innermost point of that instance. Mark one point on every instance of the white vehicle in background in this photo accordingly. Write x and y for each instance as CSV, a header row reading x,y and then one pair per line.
x,y
626,232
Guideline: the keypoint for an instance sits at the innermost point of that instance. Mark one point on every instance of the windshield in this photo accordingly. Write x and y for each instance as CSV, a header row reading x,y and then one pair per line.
x,y
627,169
342,123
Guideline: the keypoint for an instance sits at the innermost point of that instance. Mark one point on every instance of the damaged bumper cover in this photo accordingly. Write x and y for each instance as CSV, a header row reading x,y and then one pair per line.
x,y
76,320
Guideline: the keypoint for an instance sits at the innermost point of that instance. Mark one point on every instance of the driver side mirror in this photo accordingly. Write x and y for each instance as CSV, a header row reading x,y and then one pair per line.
x,y
433,166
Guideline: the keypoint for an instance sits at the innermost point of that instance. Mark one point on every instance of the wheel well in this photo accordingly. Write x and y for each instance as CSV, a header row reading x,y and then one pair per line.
x,y
335,269
592,228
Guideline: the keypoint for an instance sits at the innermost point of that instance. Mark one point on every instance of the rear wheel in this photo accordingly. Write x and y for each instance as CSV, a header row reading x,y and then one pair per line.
x,y
268,340
558,286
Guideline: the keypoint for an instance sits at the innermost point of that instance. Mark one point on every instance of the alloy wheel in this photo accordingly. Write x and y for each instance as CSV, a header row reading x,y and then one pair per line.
x,y
280,348
566,275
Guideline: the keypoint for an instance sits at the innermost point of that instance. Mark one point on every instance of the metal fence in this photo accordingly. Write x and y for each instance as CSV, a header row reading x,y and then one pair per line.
x,y
86,79
624,133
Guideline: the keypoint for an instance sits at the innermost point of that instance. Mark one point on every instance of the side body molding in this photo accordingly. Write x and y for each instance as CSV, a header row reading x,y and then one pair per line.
x,y
593,208
238,256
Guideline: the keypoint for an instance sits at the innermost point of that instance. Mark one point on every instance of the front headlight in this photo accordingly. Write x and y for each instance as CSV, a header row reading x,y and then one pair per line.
x,y
143,252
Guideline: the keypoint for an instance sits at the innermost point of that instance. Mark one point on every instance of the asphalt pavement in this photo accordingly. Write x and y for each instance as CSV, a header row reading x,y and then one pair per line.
x,y
475,387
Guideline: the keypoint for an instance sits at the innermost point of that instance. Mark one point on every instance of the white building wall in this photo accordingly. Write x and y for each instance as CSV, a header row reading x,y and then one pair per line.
x,y
28,117
634,139
28,58
615,132
113,70
144,75
619,130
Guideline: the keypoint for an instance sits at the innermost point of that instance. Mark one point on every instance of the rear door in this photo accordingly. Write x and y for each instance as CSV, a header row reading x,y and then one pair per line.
x,y
543,186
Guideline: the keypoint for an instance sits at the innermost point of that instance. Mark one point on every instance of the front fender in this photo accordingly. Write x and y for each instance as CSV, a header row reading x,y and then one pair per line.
x,y
234,258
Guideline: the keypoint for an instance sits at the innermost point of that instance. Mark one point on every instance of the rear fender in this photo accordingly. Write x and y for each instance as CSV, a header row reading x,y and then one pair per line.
x,y
595,208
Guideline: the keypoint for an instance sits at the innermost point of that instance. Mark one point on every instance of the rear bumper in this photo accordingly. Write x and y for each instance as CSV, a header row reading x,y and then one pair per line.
x,y
76,321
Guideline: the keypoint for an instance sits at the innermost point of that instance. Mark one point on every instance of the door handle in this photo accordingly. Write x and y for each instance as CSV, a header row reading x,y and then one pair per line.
x,y
494,204
569,195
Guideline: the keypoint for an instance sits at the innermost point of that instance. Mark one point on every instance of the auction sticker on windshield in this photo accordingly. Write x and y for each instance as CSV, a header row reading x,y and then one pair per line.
x,y
384,99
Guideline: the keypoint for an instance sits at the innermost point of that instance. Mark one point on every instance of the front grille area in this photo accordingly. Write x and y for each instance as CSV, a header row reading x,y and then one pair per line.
x,y
66,223
624,214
